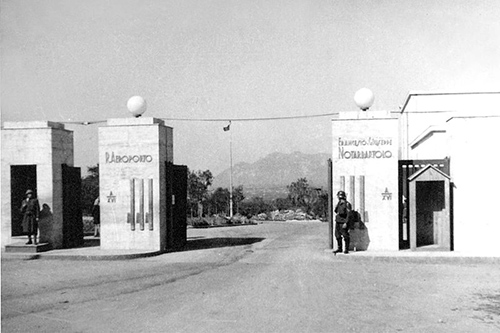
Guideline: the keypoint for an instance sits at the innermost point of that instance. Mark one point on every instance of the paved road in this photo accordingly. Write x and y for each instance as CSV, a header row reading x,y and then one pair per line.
x,y
272,277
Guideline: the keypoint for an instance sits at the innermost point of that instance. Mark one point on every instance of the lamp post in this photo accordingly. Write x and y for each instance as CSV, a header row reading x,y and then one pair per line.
x,y
228,128
330,204
231,174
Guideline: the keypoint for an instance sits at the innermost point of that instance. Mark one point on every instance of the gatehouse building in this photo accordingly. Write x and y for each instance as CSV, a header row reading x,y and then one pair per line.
x,y
423,177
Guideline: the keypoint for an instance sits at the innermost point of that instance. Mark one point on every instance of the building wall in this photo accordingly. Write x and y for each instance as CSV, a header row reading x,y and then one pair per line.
x,y
423,110
474,172
435,146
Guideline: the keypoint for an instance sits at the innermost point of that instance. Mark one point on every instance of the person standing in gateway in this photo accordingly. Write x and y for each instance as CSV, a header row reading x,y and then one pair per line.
x,y
342,211
30,208
96,214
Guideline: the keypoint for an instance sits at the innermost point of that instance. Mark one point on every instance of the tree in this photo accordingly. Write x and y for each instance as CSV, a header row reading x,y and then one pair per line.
x,y
238,197
320,207
198,183
282,203
254,206
298,192
309,199
219,201
90,188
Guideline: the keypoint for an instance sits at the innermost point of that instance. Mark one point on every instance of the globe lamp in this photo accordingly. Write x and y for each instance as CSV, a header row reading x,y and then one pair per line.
x,y
136,105
364,98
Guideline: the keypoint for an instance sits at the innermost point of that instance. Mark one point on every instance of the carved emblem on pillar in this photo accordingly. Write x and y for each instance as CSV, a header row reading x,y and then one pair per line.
x,y
386,195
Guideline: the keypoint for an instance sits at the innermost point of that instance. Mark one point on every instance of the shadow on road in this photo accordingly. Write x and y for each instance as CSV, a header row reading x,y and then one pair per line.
x,y
194,243
209,243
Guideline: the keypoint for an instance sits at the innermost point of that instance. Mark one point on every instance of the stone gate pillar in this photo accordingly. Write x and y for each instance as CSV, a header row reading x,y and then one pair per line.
x,y
132,179
32,157
365,165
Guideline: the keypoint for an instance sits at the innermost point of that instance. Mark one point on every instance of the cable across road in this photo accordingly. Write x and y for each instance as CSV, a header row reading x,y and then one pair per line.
x,y
253,119
215,119
330,114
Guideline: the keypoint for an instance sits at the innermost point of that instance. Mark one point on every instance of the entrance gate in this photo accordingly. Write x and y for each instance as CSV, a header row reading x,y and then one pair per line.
x,y
176,176
406,168
72,209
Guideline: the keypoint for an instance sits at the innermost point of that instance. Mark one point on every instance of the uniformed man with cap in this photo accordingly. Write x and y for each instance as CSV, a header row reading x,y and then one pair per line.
x,y
342,211
30,209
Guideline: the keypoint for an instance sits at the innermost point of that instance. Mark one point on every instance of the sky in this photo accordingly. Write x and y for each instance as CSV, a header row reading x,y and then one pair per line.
x,y
80,61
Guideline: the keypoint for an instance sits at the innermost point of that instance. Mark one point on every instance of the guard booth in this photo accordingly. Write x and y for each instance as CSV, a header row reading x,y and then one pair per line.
x,y
38,155
430,218
406,169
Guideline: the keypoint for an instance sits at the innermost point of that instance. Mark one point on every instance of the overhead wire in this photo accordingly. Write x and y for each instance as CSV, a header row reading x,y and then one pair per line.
x,y
215,119
251,119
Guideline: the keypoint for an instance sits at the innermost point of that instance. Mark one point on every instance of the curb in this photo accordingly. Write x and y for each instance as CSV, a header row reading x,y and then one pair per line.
x,y
55,256
414,258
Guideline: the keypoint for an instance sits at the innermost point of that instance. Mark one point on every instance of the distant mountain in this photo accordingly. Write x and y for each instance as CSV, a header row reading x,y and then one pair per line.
x,y
269,176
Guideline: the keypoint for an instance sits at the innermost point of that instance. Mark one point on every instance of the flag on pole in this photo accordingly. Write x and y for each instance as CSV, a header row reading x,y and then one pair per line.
x,y
227,127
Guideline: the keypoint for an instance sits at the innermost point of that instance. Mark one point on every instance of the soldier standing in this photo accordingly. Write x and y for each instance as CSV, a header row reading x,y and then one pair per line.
x,y
96,214
30,208
342,210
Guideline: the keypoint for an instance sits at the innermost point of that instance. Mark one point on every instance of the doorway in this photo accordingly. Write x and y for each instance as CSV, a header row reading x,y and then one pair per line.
x,y
430,205
430,210
22,178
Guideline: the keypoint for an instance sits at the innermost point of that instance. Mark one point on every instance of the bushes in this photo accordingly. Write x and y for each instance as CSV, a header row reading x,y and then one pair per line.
x,y
198,222
238,219
254,206
288,215
218,220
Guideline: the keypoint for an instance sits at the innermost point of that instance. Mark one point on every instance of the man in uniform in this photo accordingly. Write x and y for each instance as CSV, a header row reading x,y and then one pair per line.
x,y
96,214
342,211
30,209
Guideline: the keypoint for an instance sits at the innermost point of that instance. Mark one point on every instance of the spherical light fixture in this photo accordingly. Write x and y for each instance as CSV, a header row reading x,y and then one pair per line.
x,y
136,105
364,98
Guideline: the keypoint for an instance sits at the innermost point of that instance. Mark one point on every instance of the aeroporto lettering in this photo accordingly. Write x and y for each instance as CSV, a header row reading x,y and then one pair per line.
x,y
363,154
112,158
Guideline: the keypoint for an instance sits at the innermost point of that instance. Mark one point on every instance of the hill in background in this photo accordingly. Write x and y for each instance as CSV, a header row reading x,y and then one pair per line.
x,y
269,176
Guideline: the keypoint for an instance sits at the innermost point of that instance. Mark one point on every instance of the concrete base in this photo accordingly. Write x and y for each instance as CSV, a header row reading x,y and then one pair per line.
x,y
22,247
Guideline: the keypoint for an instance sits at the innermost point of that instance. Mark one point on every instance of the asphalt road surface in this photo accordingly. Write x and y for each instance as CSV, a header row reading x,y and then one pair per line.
x,y
271,277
